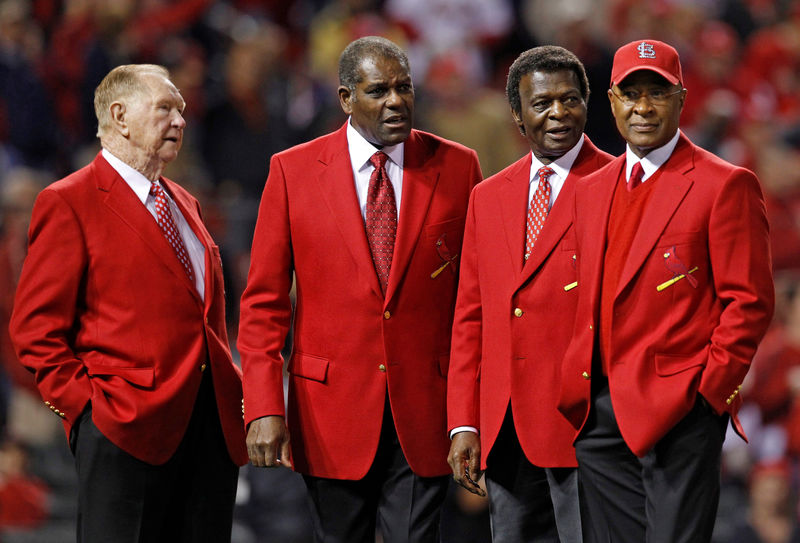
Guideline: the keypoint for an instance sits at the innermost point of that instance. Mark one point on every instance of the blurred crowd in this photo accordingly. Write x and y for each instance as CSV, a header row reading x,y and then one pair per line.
x,y
261,75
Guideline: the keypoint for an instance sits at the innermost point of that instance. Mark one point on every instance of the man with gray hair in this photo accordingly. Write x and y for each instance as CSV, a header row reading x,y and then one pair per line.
x,y
119,313
369,221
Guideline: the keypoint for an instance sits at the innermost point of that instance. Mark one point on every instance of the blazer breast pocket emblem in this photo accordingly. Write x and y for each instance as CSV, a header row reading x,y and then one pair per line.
x,y
444,255
679,270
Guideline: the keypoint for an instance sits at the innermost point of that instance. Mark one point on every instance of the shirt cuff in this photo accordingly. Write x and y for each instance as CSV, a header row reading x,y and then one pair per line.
x,y
458,429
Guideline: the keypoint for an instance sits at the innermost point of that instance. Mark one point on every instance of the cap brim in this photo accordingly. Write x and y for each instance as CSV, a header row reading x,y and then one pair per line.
x,y
660,71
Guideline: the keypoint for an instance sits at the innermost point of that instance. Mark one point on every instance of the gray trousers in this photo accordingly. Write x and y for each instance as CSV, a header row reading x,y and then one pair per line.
x,y
529,503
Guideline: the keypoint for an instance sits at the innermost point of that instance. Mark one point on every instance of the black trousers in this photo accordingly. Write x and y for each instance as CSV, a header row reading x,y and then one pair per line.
x,y
188,499
529,503
668,496
403,505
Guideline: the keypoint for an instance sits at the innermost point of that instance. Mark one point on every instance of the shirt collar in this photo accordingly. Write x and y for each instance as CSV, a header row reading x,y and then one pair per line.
x,y
361,150
653,160
135,180
561,165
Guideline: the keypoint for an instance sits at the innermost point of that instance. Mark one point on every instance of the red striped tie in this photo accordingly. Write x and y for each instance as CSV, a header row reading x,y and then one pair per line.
x,y
537,211
167,224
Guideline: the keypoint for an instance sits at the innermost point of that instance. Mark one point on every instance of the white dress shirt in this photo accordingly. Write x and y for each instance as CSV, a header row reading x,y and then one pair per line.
x,y
360,152
141,187
560,167
652,161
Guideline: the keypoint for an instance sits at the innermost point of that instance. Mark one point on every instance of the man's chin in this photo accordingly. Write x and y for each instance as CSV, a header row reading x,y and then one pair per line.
x,y
394,137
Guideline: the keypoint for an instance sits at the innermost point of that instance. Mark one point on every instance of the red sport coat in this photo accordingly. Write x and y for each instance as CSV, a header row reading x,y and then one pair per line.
x,y
513,322
351,343
669,345
104,312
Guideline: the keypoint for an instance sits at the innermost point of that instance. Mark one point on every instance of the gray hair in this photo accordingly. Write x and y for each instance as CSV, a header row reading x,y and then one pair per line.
x,y
121,82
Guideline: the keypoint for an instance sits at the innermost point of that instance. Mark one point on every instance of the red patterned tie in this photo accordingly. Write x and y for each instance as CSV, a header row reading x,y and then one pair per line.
x,y
167,224
637,172
381,218
537,211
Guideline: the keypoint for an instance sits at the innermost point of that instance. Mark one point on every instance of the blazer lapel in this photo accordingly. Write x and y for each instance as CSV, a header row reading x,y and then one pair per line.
x,y
337,188
560,217
670,190
558,221
193,220
419,184
124,203
593,202
513,198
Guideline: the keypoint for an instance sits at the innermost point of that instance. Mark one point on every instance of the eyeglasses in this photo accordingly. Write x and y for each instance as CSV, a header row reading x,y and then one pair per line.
x,y
657,97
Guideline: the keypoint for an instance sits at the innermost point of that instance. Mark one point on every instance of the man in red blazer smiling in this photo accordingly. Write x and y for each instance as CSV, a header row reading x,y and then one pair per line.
x,y
119,313
369,221
675,292
516,302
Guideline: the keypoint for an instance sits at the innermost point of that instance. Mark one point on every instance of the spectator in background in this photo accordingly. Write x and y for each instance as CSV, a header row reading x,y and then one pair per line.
x,y
771,515
27,135
18,190
23,498
457,106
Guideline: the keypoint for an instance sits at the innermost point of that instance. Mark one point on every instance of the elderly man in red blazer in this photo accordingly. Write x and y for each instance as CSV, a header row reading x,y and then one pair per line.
x,y
368,221
119,313
675,293
515,308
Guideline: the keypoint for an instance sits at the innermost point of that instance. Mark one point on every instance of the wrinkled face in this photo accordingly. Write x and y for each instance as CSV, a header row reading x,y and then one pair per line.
x,y
155,120
382,106
552,113
647,109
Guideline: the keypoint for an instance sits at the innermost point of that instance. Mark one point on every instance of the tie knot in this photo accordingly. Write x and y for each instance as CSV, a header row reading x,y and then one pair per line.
x,y
379,159
637,172
155,188
545,172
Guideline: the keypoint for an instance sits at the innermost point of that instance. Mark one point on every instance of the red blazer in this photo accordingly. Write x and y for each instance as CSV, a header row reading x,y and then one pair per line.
x,y
668,345
498,356
350,343
105,313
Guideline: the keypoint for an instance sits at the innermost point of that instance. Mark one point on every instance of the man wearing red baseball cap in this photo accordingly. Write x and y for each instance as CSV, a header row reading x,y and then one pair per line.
x,y
675,293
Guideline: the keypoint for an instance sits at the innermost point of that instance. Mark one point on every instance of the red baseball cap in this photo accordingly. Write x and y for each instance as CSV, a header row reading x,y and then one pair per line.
x,y
647,55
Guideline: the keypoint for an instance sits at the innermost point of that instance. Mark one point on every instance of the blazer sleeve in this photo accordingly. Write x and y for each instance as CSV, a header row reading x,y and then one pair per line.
x,y
45,306
266,307
463,387
739,251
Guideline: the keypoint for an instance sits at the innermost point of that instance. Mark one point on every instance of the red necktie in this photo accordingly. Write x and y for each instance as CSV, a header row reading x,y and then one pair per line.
x,y
537,211
637,172
167,224
381,218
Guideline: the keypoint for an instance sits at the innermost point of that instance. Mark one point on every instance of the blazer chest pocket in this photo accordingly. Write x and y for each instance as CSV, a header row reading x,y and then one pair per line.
x,y
309,367
444,239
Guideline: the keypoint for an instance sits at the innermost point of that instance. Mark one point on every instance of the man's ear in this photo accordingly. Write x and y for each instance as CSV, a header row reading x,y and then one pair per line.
x,y
518,120
118,118
345,99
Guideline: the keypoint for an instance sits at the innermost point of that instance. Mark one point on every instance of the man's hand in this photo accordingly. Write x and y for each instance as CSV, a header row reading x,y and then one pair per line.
x,y
465,461
268,442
